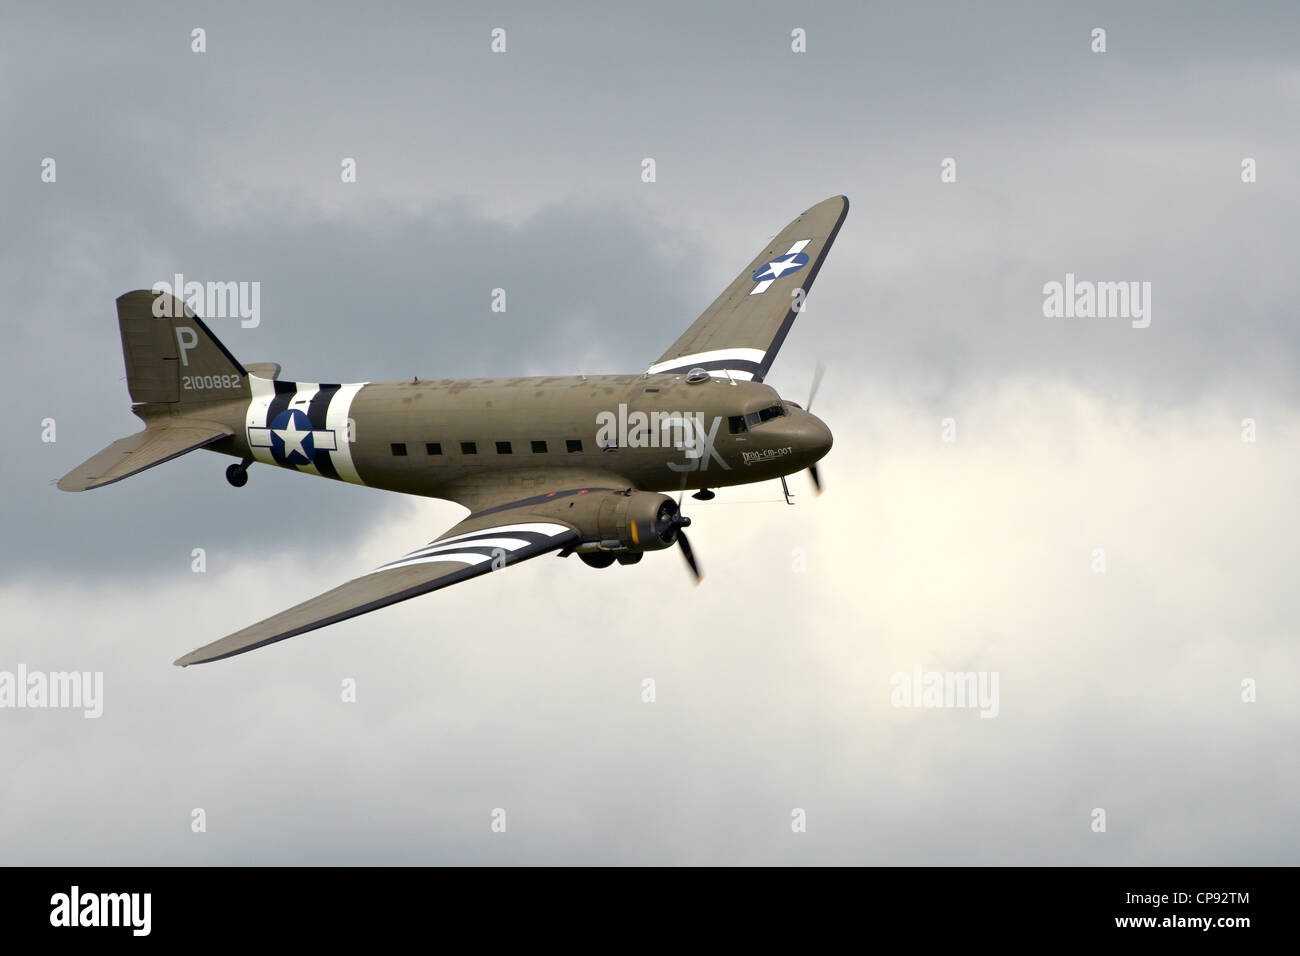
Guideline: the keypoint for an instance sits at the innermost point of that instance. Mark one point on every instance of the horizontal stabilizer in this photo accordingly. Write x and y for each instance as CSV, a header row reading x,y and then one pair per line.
x,y
263,369
153,446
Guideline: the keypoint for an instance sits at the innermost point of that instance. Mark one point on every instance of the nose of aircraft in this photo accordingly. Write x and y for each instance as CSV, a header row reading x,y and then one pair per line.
x,y
819,437
811,437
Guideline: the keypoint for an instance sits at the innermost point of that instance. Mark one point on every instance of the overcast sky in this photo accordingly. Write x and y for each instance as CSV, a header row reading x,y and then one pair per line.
x,y
1119,690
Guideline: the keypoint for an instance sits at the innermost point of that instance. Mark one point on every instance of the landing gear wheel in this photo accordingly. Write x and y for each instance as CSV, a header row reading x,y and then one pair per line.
x,y
596,559
237,475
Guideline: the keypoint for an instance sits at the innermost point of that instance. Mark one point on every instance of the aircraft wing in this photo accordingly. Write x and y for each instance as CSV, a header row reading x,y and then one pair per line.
x,y
490,540
741,332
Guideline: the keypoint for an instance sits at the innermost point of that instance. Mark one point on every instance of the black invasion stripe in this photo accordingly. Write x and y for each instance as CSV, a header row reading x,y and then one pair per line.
x,y
284,392
317,412
449,554
438,546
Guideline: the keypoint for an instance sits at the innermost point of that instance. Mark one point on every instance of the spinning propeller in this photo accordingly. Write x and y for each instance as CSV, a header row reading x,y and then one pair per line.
x,y
679,522
816,384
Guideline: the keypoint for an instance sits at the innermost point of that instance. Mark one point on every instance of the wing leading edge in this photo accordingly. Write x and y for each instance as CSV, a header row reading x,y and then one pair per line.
x,y
481,543
741,332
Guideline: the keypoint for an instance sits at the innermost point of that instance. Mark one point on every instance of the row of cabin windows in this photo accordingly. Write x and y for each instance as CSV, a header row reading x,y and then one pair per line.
x,y
471,448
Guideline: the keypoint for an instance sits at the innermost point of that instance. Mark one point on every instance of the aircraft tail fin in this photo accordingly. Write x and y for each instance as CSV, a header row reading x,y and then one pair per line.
x,y
180,378
172,356
153,446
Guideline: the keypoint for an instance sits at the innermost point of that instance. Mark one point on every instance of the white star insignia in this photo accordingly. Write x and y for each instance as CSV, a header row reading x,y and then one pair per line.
x,y
779,267
293,439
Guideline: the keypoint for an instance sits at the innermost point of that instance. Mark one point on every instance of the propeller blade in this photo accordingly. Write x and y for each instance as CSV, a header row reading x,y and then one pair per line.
x,y
818,372
689,555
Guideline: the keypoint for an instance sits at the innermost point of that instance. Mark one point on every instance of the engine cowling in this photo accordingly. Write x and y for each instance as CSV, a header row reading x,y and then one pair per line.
x,y
637,521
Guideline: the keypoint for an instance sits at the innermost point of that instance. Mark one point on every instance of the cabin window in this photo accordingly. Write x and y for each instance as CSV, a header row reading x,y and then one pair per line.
x,y
399,448
433,448
573,444
737,424
468,448
539,448
503,448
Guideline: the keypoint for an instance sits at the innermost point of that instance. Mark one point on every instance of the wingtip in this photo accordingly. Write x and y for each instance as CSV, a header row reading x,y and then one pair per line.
x,y
841,198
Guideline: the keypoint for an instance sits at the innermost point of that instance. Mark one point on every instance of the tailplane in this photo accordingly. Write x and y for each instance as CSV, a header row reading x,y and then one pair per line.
x,y
130,456
176,370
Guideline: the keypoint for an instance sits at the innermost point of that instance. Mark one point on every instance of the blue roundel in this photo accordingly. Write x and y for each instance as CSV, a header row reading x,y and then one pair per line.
x,y
781,266
291,438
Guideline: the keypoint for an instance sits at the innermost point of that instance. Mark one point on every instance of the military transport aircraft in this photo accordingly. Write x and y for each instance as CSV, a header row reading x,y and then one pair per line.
x,y
580,464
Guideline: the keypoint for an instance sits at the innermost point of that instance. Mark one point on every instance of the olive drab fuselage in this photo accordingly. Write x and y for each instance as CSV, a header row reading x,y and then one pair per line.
x,y
436,437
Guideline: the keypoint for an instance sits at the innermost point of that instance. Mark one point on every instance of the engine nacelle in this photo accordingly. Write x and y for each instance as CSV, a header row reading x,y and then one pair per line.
x,y
636,521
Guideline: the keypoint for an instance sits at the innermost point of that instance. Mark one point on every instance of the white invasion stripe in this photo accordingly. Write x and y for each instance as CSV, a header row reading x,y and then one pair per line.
x,y
305,393
447,546
503,529
263,392
508,544
336,420
263,388
717,355
462,558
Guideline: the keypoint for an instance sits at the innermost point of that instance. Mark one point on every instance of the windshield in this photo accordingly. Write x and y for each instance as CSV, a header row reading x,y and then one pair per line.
x,y
741,423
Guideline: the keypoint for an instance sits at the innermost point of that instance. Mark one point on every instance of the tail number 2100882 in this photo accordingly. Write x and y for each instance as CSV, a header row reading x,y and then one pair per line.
x,y
200,382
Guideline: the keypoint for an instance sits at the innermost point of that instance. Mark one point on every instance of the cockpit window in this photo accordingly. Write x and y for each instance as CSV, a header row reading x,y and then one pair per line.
x,y
742,423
